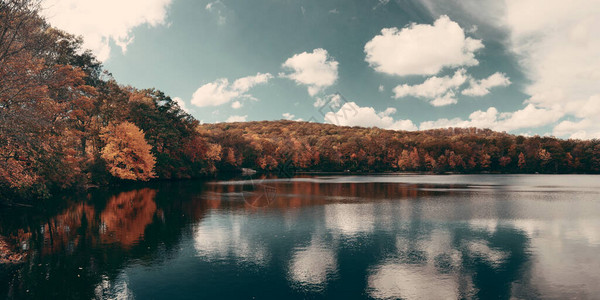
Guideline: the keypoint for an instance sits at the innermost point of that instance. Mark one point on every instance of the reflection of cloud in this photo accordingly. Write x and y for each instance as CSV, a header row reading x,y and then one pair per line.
x,y
566,260
311,265
482,250
350,219
219,236
394,280
488,225
432,278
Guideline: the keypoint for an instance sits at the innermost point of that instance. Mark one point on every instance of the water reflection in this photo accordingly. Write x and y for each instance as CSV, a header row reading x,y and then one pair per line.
x,y
369,237
350,219
228,237
311,266
126,216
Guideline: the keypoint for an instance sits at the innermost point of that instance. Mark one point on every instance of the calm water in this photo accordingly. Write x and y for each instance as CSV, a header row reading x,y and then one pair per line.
x,y
413,237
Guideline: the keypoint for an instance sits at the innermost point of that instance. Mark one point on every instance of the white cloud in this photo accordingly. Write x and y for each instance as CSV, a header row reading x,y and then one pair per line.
x,y
480,119
99,22
236,119
528,117
577,130
244,84
557,45
387,112
350,114
236,104
331,101
214,93
181,104
440,90
482,87
381,88
421,49
316,69
221,91
446,99
288,116
531,116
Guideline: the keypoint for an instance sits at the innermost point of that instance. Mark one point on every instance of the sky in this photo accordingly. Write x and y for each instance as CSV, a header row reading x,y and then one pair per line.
x,y
521,66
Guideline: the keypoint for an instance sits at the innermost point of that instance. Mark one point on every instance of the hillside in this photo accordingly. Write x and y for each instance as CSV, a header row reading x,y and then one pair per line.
x,y
302,146
65,123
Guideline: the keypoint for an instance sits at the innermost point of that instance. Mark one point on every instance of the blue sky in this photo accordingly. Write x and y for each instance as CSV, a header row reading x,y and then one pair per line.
x,y
523,66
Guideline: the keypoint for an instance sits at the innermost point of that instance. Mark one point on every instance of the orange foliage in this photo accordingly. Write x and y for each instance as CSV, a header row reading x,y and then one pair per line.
x,y
127,154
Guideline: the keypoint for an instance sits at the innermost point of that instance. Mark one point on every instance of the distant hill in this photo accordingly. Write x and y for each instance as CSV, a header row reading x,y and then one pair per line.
x,y
302,146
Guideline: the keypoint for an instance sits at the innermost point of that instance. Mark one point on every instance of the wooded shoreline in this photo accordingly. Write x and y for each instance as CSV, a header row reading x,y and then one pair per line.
x,y
66,124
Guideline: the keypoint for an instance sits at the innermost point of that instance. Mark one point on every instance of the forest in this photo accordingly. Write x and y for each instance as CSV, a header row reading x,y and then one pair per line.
x,y
287,147
65,123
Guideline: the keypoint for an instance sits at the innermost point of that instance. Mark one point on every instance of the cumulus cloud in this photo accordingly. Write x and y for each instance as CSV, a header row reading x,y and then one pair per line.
x,y
576,130
350,114
482,87
315,69
557,45
288,116
100,22
528,117
446,99
421,49
214,93
236,119
558,42
387,112
236,104
439,90
331,101
221,91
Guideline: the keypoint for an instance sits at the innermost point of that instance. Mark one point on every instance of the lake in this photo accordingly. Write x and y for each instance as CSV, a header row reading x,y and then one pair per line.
x,y
377,236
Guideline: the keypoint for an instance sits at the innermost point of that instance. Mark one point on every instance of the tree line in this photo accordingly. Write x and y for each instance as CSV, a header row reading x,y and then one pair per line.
x,y
65,123
289,146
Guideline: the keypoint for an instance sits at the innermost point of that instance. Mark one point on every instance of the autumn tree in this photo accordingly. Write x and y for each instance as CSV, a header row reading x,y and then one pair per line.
x,y
37,100
127,154
522,161
404,160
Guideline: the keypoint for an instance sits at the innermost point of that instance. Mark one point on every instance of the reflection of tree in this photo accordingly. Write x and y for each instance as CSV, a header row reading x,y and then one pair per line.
x,y
284,194
69,248
8,255
126,216
63,232
357,232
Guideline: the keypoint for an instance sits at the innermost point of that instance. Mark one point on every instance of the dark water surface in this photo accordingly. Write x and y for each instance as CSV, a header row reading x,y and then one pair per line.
x,y
412,237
